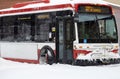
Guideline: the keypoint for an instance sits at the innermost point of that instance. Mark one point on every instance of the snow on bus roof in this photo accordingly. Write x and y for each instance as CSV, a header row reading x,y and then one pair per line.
x,y
55,2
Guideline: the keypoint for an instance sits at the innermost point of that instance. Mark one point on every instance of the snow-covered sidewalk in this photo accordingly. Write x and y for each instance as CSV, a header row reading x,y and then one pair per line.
x,y
15,70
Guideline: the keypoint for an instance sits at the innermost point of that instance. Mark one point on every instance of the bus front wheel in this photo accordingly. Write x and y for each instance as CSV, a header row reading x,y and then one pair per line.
x,y
47,55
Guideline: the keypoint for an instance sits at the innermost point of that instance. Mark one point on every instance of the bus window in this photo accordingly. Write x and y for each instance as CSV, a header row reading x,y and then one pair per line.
x,y
31,27
7,32
23,27
15,28
107,29
88,30
45,27
24,31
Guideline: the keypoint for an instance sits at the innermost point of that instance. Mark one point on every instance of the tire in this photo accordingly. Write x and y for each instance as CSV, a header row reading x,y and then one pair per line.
x,y
47,55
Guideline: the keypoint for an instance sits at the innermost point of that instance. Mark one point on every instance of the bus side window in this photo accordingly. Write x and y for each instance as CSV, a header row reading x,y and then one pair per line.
x,y
22,29
44,28
7,32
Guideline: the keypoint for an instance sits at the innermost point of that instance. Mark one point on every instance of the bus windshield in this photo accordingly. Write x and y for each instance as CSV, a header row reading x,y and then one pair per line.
x,y
96,28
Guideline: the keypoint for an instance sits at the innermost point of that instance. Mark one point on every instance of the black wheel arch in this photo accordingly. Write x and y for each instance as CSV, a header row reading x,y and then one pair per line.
x,y
50,55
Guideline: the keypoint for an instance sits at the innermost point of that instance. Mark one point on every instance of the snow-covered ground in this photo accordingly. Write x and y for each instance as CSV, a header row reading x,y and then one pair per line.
x,y
15,70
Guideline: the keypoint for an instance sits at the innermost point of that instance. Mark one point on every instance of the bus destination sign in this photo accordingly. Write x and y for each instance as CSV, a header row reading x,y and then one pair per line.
x,y
94,9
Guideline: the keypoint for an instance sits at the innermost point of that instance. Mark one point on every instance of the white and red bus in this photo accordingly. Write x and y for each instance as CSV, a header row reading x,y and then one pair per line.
x,y
66,31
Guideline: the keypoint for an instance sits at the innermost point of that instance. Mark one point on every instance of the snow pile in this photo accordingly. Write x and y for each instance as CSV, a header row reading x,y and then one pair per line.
x,y
15,70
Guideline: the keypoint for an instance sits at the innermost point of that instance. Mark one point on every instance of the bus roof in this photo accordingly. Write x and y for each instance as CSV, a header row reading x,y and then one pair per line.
x,y
39,3
46,3
56,2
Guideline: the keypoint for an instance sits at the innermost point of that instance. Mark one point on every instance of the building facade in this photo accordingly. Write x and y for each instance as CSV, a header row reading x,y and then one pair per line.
x,y
113,1
8,3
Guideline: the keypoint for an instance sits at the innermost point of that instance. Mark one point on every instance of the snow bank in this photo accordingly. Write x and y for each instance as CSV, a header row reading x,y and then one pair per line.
x,y
14,70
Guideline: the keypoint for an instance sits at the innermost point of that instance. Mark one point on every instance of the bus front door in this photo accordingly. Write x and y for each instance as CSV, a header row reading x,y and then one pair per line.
x,y
64,40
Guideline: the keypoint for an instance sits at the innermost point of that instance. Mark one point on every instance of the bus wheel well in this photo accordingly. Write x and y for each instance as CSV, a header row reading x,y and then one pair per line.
x,y
47,55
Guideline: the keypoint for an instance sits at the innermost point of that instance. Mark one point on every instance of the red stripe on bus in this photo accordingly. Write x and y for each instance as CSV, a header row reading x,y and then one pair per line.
x,y
36,9
77,52
30,2
23,60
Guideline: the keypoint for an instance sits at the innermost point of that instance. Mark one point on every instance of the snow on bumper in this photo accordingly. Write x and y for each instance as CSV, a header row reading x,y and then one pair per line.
x,y
99,54
97,57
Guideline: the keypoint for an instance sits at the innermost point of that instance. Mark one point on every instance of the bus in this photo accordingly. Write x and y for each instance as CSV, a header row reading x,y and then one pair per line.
x,y
74,32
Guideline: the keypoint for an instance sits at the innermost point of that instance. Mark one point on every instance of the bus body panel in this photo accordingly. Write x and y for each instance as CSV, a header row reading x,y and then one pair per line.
x,y
19,50
23,52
